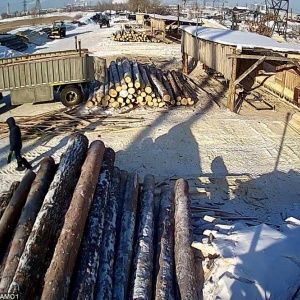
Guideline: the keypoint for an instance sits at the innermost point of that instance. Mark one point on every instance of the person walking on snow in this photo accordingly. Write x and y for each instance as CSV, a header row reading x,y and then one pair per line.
x,y
16,145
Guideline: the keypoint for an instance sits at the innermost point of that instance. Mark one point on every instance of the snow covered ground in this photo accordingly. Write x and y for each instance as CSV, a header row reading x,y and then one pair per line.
x,y
248,163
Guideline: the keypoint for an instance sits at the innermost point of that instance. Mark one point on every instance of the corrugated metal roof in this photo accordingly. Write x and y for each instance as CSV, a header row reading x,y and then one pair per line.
x,y
241,39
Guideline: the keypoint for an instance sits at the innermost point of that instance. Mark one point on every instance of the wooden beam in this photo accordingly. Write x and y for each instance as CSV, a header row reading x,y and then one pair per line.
x,y
246,56
248,71
185,60
231,91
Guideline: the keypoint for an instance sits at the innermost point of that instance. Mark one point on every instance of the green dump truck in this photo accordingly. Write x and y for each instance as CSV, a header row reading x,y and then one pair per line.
x,y
35,78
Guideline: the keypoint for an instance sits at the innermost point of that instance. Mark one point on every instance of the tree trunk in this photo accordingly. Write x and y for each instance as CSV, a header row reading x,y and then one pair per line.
x,y
167,85
32,206
114,70
57,278
144,75
104,283
111,84
87,263
184,255
124,176
6,196
142,287
165,288
121,74
160,87
138,81
122,275
41,242
173,85
13,210
127,70
180,84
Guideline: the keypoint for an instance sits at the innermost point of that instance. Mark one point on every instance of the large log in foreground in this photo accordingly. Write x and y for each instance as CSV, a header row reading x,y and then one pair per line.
x,y
33,264
125,250
32,206
184,255
104,283
6,196
57,278
87,264
165,288
142,286
13,210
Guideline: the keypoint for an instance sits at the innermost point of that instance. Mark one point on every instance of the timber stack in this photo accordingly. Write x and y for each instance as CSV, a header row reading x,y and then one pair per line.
x,y
131,35
84,229
129,83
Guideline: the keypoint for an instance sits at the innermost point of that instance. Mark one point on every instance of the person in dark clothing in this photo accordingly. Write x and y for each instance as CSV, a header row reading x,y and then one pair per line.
x,y
16,145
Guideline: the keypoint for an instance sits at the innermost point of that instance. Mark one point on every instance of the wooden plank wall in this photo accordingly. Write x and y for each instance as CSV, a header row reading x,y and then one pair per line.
x,y
209,53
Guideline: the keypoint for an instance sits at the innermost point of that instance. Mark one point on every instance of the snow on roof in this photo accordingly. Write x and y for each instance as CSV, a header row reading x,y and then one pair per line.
x,y
171,18
241,39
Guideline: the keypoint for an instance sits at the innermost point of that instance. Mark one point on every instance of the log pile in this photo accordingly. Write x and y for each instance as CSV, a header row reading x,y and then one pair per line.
x,y
88,231
130,83
131,35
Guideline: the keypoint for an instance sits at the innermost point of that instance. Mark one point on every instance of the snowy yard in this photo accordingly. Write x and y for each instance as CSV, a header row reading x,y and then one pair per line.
x,y
247,163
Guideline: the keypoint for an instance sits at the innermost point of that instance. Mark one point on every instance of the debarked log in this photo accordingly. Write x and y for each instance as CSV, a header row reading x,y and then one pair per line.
x,y
57,278
31,208
33,264
13,210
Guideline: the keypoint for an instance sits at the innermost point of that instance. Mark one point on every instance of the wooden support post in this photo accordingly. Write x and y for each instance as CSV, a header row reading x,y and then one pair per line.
x,y
185,59
248,71
231,91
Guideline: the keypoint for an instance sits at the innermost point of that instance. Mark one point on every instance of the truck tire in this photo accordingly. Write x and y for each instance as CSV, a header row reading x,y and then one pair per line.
x,y
71,96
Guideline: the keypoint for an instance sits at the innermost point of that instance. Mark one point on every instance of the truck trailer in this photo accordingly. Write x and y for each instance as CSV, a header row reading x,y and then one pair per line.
x,y
35,78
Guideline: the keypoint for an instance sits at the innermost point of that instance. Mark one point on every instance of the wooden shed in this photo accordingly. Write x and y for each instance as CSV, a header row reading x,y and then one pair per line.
x,y
162,23
244,57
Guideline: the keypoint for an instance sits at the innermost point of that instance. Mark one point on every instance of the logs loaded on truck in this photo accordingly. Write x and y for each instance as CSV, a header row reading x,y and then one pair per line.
x,y
84,229
37,77
129,83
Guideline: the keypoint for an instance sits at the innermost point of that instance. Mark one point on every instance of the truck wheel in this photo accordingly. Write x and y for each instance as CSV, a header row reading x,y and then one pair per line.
x,y
71,96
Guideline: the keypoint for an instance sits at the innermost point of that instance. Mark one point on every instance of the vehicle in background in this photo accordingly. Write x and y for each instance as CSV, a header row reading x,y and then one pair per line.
x,y
103,21
35,78
58,30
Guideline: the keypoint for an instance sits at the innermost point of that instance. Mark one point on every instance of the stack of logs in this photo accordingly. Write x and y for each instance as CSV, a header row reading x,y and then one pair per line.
x,y
99,235
130,83
131,35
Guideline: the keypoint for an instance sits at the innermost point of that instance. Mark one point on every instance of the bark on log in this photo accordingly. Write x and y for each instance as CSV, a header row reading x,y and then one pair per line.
x,y
32,206
104,283
6,196
85,273
173,85
111,85
121,74
165,268
13,210
127,70
184,255
123,262
138,81
57,278
168,86
160,87
124,176
114,70
181,86
142,286
144,75
40,245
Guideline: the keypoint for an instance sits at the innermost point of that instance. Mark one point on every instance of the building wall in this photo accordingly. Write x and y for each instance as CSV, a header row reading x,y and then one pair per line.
x,y
209,53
